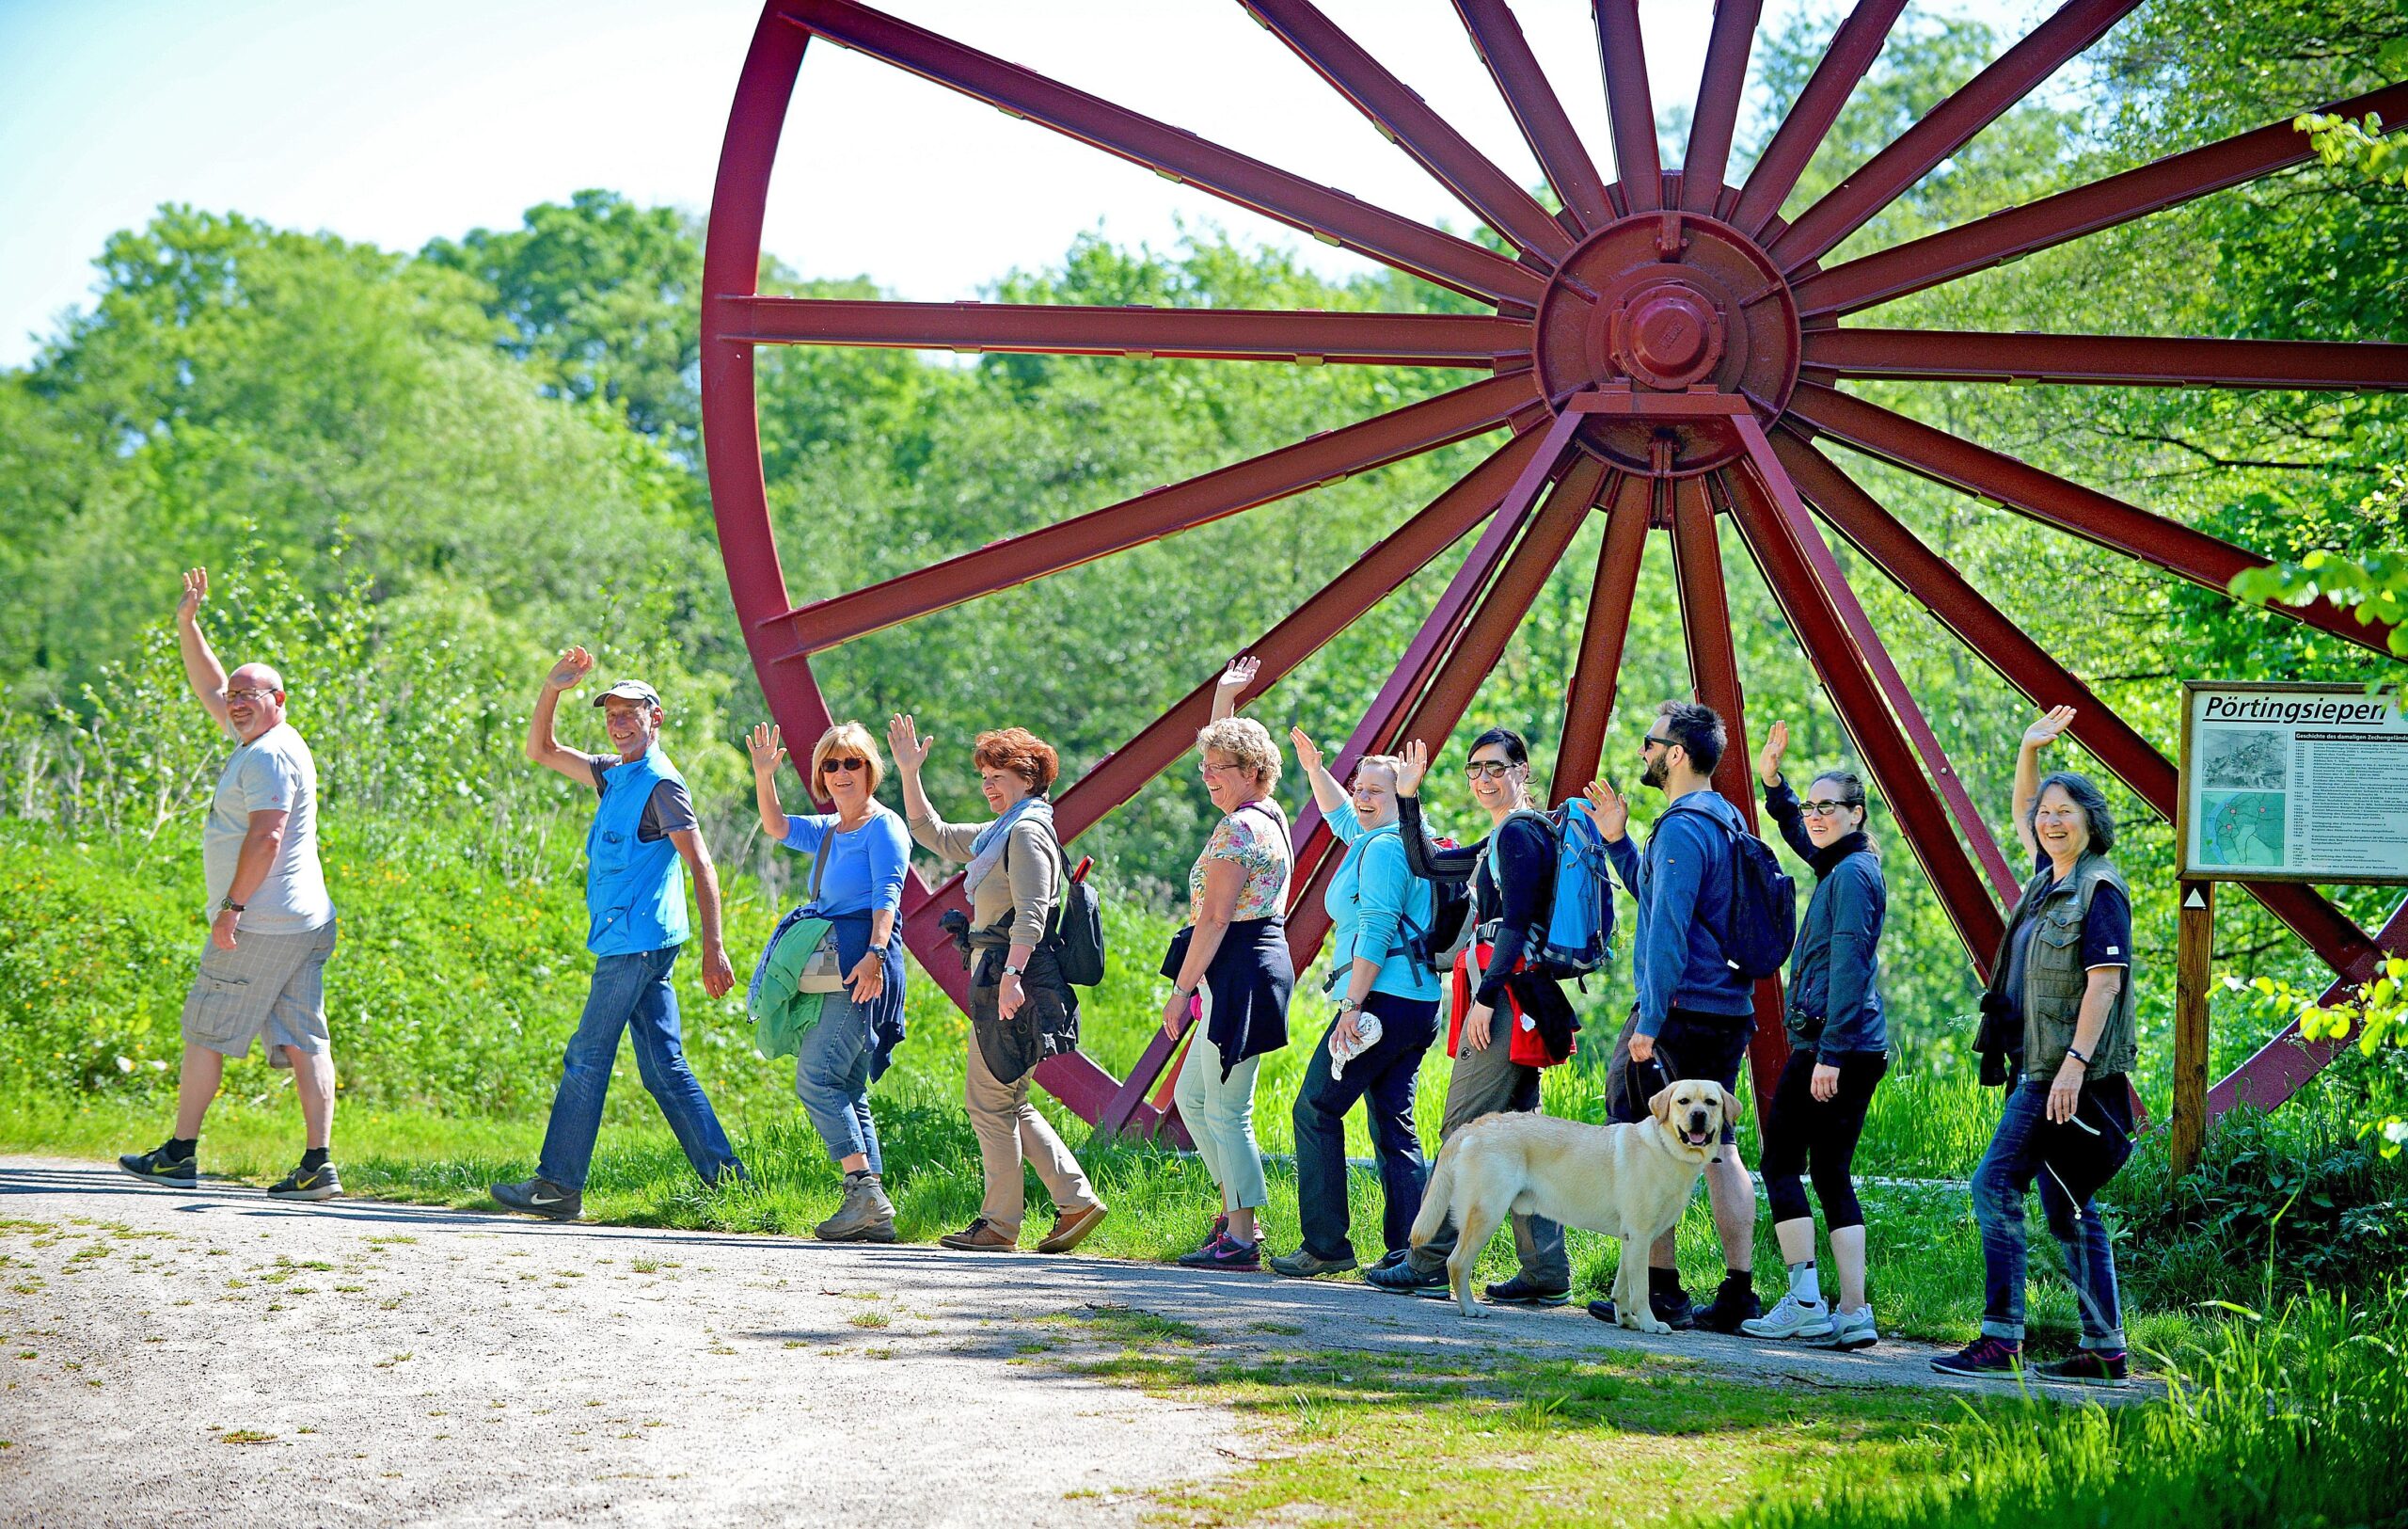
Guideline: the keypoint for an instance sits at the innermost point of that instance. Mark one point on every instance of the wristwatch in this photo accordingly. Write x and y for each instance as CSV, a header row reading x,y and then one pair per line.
x,y
230,906
1014,971
1348,1006
2080,1058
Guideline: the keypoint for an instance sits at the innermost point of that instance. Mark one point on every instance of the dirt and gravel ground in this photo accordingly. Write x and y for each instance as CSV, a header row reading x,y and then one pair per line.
x,y
215,1357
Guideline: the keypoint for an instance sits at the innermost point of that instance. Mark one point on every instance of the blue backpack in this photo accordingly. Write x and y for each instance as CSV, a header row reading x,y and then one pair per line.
x,y
1578,933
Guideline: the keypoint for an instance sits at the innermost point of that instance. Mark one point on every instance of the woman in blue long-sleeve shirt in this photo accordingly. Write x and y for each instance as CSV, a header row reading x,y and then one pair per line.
x,y
1839,1048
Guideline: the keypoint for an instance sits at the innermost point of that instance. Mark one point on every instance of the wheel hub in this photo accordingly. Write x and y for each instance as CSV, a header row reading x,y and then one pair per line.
x,y
1668,302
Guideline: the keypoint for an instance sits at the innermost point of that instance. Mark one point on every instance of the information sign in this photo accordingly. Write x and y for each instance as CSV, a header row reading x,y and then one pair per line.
x,y
2284,781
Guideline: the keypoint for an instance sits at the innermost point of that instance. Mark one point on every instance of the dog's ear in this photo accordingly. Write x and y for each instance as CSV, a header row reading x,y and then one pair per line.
x,y
1661,1105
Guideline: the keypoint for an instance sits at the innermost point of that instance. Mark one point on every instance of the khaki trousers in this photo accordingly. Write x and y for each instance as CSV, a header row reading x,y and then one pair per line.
x,y
1010,1131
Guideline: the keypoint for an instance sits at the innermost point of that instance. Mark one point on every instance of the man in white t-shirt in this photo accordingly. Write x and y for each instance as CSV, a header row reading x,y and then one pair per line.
x,y
271,925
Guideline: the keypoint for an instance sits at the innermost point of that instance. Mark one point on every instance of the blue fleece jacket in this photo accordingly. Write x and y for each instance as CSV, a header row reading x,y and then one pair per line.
x,y
1683,885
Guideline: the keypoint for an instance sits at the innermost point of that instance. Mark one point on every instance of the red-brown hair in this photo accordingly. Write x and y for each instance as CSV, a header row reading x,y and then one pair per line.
x,y
1021,751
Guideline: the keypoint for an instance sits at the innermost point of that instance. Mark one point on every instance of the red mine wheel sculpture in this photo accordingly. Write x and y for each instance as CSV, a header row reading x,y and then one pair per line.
x,y
1664,349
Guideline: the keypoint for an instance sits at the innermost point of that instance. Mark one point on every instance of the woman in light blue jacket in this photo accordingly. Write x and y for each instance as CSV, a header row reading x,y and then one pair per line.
x,y
1376,906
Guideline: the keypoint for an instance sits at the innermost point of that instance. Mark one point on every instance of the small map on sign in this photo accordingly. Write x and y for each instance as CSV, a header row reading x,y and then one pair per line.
x,y
2243,828
2244,759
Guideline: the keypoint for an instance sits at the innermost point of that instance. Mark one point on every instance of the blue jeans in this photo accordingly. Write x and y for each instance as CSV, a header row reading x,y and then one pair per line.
x,y
2000,1185
1384,1078
831,1079
630,992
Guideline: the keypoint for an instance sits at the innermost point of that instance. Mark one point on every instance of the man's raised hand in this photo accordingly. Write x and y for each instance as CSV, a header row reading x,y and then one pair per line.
x,y
1613,810
574,665
196,591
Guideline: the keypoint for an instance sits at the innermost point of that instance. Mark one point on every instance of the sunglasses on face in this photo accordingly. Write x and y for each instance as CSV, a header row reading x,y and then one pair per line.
x,y
833,766
1819,808
1652,742
1492,769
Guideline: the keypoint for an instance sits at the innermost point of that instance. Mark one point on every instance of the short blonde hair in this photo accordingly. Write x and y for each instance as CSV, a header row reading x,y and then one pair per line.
x,y
1389,762
1247,744
856,741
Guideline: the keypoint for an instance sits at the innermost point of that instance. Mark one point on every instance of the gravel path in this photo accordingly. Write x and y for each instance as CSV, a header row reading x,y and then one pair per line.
x,y
214,1356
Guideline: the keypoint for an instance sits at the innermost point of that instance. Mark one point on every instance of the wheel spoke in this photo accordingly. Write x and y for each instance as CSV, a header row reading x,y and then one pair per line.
x,y
1784,502
1776,172
1328,215
1545,127
1220,334
2017,231
2023,663
2279,1068
2113,360
1708,156
1291,470
1335,606
2042,496
1623,52
1714,674
1946,128
1811,604
1385,720
1407,122
1589,702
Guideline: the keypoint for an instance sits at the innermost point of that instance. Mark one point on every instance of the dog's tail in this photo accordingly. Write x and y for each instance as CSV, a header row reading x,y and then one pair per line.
x,y
1437,1196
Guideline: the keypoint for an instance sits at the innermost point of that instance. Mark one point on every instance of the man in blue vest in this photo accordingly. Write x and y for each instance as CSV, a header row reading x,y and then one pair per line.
x,y
635,899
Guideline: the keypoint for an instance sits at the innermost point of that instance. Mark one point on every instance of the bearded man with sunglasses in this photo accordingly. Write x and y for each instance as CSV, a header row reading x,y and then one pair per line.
x,y
643,841
272,927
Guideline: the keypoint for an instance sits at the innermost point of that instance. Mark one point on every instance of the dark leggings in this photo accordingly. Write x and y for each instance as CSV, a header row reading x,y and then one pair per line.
x,y
1799,1129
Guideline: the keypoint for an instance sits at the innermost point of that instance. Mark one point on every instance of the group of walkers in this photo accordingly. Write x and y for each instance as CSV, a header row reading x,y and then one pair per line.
x,y
828,988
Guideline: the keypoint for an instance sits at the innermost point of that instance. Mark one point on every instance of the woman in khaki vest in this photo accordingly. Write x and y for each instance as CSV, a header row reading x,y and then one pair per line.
x,y
2058,1030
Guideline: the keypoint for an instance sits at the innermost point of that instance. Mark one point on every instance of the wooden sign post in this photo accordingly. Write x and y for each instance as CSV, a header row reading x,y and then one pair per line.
x,y
2193,952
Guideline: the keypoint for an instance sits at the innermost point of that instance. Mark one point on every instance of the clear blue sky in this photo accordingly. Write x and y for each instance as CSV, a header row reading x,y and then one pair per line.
x,y
394,123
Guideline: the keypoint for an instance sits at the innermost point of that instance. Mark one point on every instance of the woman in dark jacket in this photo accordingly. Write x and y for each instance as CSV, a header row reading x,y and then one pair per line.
x,y
1512,872
1839,1048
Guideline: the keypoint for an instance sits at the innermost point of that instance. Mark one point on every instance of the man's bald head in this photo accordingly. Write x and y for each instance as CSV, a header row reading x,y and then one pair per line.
x,y
254,700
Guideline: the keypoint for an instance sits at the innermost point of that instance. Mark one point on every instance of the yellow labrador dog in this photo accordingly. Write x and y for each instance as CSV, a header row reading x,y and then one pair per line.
x,y
1630,1182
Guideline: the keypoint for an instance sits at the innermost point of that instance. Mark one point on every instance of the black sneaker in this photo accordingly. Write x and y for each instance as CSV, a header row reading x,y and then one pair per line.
x,y
1984,1357
158,1166
2090,1367
1402,1278
1519,1291
1735,1301
539,1197
1671,1306
319,1183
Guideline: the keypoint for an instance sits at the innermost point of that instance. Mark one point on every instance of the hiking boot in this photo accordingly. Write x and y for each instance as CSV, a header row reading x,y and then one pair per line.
x,y
867,1215
1850,1330
319,1183
2090,1367
1403,1279
1791,1319
1071,1228
539,1197
979,1236
1666,1302
1224,1252
1735,1301
1389,1259
1304,1263
161,1166
1984,1357
1519,1291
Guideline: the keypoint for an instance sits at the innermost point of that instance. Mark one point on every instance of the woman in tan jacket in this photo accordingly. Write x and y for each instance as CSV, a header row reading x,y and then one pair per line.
x,y
1021,1009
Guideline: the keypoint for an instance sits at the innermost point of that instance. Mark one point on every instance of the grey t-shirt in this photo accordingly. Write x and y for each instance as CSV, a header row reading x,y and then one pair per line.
x,y
273,773
669,811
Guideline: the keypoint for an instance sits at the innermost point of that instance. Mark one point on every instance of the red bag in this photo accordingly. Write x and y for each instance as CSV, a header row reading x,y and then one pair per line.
x,y
1526,1046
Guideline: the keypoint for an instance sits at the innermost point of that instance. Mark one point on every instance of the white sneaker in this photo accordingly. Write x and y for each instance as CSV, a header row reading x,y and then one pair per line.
x,y
1852,1330
1791,1318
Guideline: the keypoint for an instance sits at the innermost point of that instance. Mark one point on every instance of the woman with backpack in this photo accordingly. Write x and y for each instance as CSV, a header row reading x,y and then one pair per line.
x,y
1512,872
1022,1010
1839,1049
1229,971
1388,1015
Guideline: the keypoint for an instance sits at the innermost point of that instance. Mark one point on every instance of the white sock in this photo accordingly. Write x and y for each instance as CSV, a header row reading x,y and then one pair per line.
x,y
1805,1285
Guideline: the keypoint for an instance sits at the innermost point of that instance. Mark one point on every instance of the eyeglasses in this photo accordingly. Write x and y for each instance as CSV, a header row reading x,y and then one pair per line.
x,y
1493,769
1652,742
1210,770
1824,809
833,766
254,696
